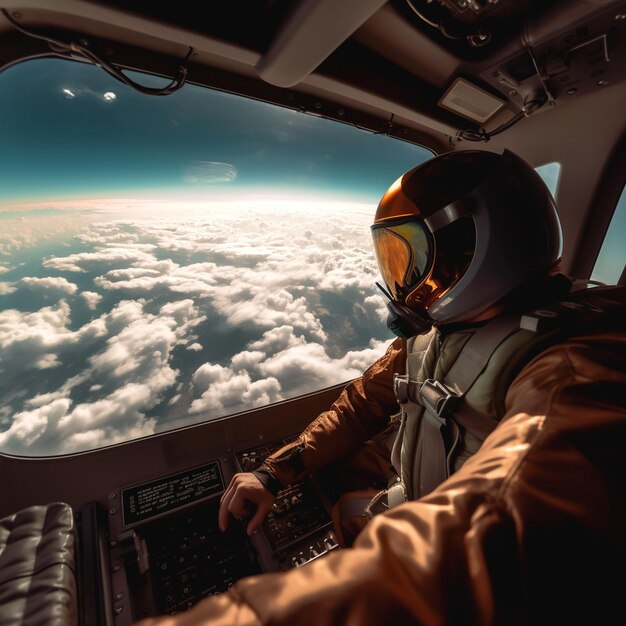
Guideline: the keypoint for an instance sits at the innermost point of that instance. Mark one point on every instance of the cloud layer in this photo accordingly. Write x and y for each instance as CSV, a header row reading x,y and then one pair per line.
x,y
185,316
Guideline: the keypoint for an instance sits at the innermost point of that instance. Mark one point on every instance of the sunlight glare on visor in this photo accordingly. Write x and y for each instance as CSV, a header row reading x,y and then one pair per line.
x,y
402,255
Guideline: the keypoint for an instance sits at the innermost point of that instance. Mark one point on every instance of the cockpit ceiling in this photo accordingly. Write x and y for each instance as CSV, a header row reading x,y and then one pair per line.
x,y
382,65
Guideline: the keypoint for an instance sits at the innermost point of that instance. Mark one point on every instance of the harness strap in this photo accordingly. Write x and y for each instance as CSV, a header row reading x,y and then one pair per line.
x,y
444,405
417,348
432,455
475,422
367,504
444,399
477,352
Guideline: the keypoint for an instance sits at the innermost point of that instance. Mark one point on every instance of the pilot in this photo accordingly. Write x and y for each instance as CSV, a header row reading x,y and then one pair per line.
x,y
482,456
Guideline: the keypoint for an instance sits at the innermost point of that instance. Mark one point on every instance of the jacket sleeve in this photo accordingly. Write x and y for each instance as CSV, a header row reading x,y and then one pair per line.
x,y
362,410
530,530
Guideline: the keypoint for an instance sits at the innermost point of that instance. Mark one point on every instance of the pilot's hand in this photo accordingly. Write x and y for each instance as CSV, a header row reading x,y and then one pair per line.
x,y
244,490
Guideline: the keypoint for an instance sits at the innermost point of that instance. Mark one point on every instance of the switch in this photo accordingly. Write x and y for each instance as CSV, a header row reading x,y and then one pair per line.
x,y
329,543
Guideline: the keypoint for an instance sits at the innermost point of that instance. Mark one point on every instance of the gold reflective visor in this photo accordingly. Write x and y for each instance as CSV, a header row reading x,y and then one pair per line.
x,y
402,251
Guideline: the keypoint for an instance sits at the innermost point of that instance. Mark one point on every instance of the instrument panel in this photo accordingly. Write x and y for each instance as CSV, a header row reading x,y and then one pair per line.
x,y
164,550
191,559
298,528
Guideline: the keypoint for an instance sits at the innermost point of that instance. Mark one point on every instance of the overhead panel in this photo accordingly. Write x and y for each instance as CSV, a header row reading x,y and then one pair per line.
x,y
313,31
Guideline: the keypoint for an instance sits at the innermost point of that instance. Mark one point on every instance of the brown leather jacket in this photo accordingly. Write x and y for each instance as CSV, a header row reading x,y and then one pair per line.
x,y
531,530
362,410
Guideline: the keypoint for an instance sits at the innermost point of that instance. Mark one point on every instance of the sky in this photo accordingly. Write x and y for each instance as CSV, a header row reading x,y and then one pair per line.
x,y
610,262
71,130
167,260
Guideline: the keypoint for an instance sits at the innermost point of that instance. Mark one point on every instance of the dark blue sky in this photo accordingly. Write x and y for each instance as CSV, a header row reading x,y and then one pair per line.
x,y
62,136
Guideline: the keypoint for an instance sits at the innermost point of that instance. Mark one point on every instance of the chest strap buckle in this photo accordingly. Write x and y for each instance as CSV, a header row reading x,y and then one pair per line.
x,y
401,388
438,399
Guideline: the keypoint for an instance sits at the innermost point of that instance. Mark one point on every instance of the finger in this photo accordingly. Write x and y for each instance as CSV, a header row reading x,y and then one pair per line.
x,y
223,514
231,487
258,517
237,504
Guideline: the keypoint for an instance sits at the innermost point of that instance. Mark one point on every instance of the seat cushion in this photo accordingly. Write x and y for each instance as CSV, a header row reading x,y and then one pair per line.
x,y
37,580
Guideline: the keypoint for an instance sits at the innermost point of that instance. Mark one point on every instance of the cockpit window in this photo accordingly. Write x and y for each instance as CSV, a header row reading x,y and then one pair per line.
x,y
168,260
611,261
550,174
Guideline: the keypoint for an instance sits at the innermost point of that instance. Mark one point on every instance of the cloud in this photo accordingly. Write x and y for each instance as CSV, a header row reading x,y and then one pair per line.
x,y
82,261
255,276
132,368
33,339
225,390
196,279
57,286
111,234
251,284
289,366
377,305
277,339
41,399
142,344
275,302
125,406
27,426
7,288
46,361
247,360
91,298
27,226
210,172
307,366
257,306
303,367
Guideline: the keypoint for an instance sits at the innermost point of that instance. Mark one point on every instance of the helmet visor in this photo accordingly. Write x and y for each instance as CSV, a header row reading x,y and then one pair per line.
x,y
403,251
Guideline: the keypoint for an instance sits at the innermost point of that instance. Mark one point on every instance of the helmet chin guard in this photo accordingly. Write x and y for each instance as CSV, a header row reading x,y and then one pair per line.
x,y
404,322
